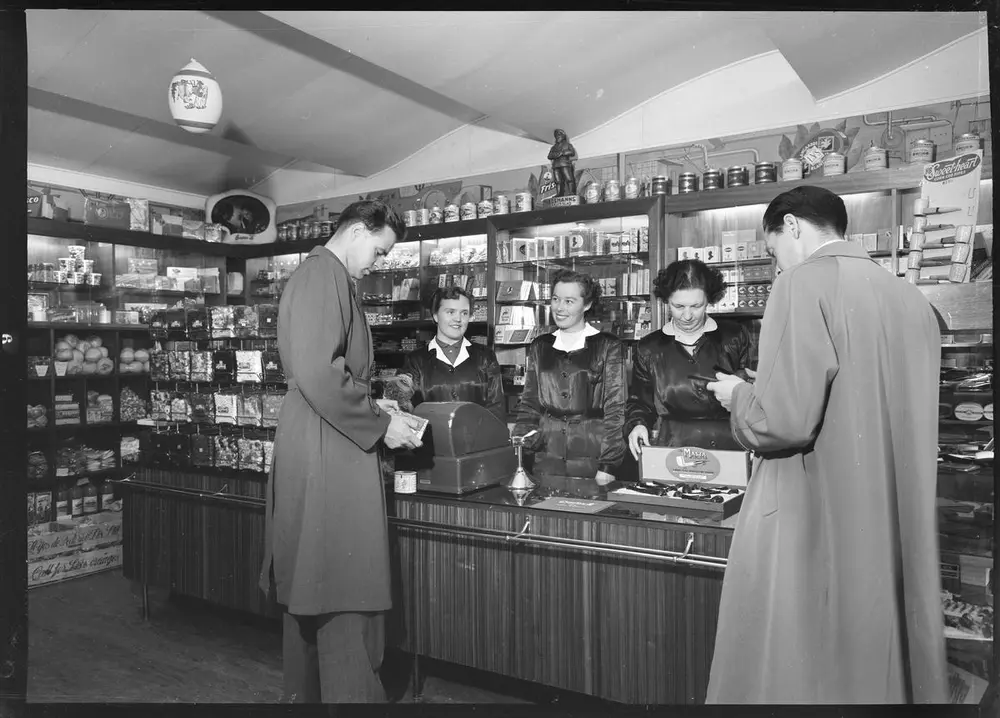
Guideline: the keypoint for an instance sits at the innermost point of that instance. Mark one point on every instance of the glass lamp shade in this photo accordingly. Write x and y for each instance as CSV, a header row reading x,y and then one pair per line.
x,y
195,98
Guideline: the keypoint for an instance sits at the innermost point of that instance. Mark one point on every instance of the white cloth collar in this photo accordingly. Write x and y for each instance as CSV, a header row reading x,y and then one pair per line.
x,y
710,326
570,342
463,354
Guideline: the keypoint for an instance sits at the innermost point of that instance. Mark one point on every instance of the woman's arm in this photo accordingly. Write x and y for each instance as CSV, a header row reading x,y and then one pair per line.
x,y
495,400
640,410
615,393
529,407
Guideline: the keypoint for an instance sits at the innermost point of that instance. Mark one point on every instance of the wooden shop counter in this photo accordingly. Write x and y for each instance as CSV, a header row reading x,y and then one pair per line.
x,y
613,600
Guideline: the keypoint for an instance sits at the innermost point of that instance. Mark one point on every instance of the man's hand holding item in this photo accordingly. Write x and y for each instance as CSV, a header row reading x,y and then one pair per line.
x,y
402,432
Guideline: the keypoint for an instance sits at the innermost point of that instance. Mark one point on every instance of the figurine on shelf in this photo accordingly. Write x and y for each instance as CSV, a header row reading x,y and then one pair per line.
x,y
563,155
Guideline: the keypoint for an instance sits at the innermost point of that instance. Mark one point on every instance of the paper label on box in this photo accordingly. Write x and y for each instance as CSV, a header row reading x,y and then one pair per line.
x,y
692,464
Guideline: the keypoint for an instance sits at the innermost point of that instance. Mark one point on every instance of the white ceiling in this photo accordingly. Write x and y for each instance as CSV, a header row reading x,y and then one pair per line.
x,y
358,92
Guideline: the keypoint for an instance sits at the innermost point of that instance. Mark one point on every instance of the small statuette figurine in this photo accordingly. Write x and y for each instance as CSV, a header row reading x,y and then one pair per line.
x,y
563,155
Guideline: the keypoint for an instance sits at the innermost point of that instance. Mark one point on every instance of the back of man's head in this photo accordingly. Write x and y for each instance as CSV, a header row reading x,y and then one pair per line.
x,y
820,207
374,214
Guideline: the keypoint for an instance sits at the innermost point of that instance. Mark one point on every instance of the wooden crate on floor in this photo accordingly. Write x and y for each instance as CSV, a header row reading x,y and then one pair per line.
x,y
62,550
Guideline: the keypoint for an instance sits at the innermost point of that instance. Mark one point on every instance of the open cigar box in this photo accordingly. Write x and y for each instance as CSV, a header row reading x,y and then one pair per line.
x,y
689,478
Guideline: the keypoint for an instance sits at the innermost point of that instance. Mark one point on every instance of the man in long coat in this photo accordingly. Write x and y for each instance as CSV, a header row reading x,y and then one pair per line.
x,y
327,552
832,593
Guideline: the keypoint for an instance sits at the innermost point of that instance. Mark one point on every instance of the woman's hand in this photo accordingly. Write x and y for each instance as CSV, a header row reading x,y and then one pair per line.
x,y
638,437
603,478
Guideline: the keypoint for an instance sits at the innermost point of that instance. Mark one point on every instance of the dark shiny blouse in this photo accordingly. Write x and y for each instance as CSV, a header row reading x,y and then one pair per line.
x,y
477,379
588,383
663,393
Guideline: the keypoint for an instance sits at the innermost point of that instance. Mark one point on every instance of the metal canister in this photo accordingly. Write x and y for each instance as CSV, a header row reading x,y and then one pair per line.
x,y
303,229
612,191
437,216
484,209
660,185
592,193
764,172
632,188
451,213
923,150
423,216
315,229
410,218
712,179
291,231
283,233
834,163
687,182
876,158
791,169
969,142
468,211
737,176
326,228
501,204
522,202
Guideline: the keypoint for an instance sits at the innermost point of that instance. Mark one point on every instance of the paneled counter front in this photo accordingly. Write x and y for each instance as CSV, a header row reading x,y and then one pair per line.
x,y
559,587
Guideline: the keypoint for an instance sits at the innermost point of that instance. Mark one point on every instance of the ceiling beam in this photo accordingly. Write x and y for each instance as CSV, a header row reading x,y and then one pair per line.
x,y
337,58
128,122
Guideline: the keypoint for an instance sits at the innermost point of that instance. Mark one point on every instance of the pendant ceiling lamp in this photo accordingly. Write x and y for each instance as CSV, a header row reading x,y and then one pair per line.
x,y
195,98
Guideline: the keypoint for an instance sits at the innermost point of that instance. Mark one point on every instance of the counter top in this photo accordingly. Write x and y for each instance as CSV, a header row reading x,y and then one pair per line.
x,y
581,497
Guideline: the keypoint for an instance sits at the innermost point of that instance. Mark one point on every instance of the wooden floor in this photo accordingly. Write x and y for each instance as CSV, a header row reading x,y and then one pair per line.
x,y
89,643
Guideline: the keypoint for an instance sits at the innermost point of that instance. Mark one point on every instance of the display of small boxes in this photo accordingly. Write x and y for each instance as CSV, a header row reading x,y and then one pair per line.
x,y
699,468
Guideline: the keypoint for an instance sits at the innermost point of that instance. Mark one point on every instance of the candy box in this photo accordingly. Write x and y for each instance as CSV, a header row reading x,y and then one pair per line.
x,y
690,478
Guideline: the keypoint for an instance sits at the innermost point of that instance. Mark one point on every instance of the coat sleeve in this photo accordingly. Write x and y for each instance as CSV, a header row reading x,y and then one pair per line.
x,y
798,362
319,348
495,400
412,367
529,407
640,408
615,394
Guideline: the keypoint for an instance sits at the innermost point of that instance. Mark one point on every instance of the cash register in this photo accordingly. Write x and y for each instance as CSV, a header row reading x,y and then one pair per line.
x,y
465,448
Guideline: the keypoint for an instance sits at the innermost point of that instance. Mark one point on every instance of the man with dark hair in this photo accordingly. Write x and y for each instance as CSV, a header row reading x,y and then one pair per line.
x,y
832,593
326,538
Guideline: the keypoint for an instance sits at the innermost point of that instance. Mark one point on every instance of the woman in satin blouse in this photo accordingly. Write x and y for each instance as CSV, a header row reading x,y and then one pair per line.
x,y
663,393
575,390
450,367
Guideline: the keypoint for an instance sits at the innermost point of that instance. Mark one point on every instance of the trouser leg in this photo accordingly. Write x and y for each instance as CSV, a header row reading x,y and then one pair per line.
x,y
350,648
300,659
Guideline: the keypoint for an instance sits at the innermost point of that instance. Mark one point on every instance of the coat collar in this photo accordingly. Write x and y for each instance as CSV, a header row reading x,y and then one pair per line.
x,y
463,354
840,248
710,326
571,342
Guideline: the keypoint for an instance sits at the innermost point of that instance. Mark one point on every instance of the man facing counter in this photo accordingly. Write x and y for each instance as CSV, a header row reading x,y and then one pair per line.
x,y
832,593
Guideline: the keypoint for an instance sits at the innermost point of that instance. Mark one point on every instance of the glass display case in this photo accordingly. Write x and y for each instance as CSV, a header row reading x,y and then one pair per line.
x,y
266,277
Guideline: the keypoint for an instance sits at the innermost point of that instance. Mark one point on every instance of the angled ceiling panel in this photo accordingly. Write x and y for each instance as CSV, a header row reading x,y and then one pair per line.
x,y
53,34
835,52
58,136
542,70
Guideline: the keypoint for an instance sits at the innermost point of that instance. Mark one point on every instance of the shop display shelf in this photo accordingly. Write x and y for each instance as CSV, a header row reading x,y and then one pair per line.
x,y
575,214
381,303
34,286
742,314
455,265
125,237
738,262
80,327
165,292
960,422
587,260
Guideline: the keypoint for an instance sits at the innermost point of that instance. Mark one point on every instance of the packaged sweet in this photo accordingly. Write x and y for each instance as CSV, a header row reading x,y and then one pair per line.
x,y
159,365
250,455
202,408
199,324
157,324
249,367
271,361
159,401
223,322
180,365
176,324
202,450
129,449
226,405
267,320
132,407
271,403
246,321
224,365
226,452
249,410
268,455
180,408
201,366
